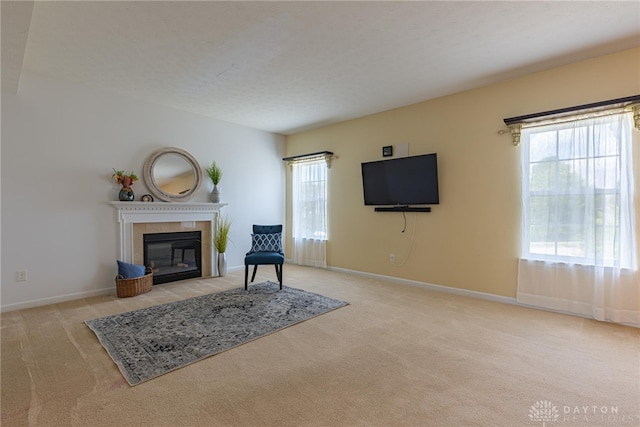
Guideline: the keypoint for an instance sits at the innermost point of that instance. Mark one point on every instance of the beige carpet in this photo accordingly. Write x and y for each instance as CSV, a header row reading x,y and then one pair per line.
x,y
398,355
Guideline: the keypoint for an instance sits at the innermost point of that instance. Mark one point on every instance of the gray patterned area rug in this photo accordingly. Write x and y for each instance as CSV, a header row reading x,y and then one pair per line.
x,y
152,341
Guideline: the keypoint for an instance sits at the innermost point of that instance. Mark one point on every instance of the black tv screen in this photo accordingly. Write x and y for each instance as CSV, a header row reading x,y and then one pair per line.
x,y
403,181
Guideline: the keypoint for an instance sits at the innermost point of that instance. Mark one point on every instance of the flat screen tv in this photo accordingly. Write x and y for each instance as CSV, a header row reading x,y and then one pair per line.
x,y
401,182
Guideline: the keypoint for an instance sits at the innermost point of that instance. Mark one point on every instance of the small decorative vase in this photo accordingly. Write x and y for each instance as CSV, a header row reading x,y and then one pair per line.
x,y
215,194
126,194
222,264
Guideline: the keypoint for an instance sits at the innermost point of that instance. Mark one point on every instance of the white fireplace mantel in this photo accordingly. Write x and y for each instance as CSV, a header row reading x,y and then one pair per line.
x,y
129,213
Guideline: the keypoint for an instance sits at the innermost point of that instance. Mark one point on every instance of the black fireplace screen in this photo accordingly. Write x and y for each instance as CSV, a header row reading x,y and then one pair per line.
x,y
173,256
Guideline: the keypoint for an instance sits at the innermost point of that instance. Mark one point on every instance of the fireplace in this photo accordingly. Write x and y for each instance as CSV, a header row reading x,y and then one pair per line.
x,y
173,256
135,219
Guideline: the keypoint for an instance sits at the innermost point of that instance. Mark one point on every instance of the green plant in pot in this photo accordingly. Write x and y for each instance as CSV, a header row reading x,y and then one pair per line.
x,y
215,175
220,240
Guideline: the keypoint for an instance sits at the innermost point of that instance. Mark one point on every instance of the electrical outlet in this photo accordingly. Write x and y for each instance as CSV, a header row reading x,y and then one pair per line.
x,y
21,276
392,257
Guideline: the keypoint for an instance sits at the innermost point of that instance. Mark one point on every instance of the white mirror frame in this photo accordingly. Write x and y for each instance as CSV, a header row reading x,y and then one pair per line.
x,y
153,185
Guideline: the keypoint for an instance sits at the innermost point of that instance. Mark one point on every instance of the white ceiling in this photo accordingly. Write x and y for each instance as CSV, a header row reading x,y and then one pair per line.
x,y
289,66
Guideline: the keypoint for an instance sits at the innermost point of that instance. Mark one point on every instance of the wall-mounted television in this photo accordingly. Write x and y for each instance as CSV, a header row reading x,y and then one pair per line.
x,y
401,182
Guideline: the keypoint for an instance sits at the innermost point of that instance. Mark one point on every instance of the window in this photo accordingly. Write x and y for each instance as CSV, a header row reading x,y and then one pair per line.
x,y
577,181
309,206
578,235
310,200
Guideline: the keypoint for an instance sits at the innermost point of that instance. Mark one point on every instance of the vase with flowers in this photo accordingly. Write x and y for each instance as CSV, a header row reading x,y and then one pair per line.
x,y
126,181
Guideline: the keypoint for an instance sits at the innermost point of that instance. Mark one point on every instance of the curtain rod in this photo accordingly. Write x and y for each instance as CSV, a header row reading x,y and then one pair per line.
x,y
602,105
515,124
306,156
326,155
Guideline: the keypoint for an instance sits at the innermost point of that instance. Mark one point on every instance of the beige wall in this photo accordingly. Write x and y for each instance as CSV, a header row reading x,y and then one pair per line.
x,y
470,240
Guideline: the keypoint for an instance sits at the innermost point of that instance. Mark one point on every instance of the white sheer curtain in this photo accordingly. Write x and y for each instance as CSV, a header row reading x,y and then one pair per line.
x,y
309,213
579,241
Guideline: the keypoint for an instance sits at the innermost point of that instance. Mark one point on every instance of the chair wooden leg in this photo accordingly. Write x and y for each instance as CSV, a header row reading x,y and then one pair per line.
x,y
246,275
279,274
253,276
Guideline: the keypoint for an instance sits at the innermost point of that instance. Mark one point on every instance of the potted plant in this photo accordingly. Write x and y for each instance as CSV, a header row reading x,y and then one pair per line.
x,y
220,240
215,175
126,180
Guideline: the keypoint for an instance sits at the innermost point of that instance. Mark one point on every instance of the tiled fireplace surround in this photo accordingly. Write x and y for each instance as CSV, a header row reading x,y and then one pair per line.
x,y
135,219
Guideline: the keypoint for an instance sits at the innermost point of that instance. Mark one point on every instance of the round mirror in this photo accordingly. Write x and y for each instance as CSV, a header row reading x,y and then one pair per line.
x,y
172,174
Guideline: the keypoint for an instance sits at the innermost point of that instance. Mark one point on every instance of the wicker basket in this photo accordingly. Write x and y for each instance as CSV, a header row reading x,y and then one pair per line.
x,y
136,286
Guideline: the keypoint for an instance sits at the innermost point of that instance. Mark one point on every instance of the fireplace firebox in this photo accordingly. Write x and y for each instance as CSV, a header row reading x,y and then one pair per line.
x,y
173,256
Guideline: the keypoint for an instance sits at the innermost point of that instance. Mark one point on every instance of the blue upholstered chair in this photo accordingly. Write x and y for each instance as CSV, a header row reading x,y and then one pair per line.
x,y
266,249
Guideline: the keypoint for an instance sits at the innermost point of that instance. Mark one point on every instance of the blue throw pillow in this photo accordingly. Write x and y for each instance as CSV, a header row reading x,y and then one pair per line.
x,y
271,242
130,271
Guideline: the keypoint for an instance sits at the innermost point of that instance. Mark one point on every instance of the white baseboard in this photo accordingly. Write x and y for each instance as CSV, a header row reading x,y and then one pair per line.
x,y
59,298
431,286
74,296
466,293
